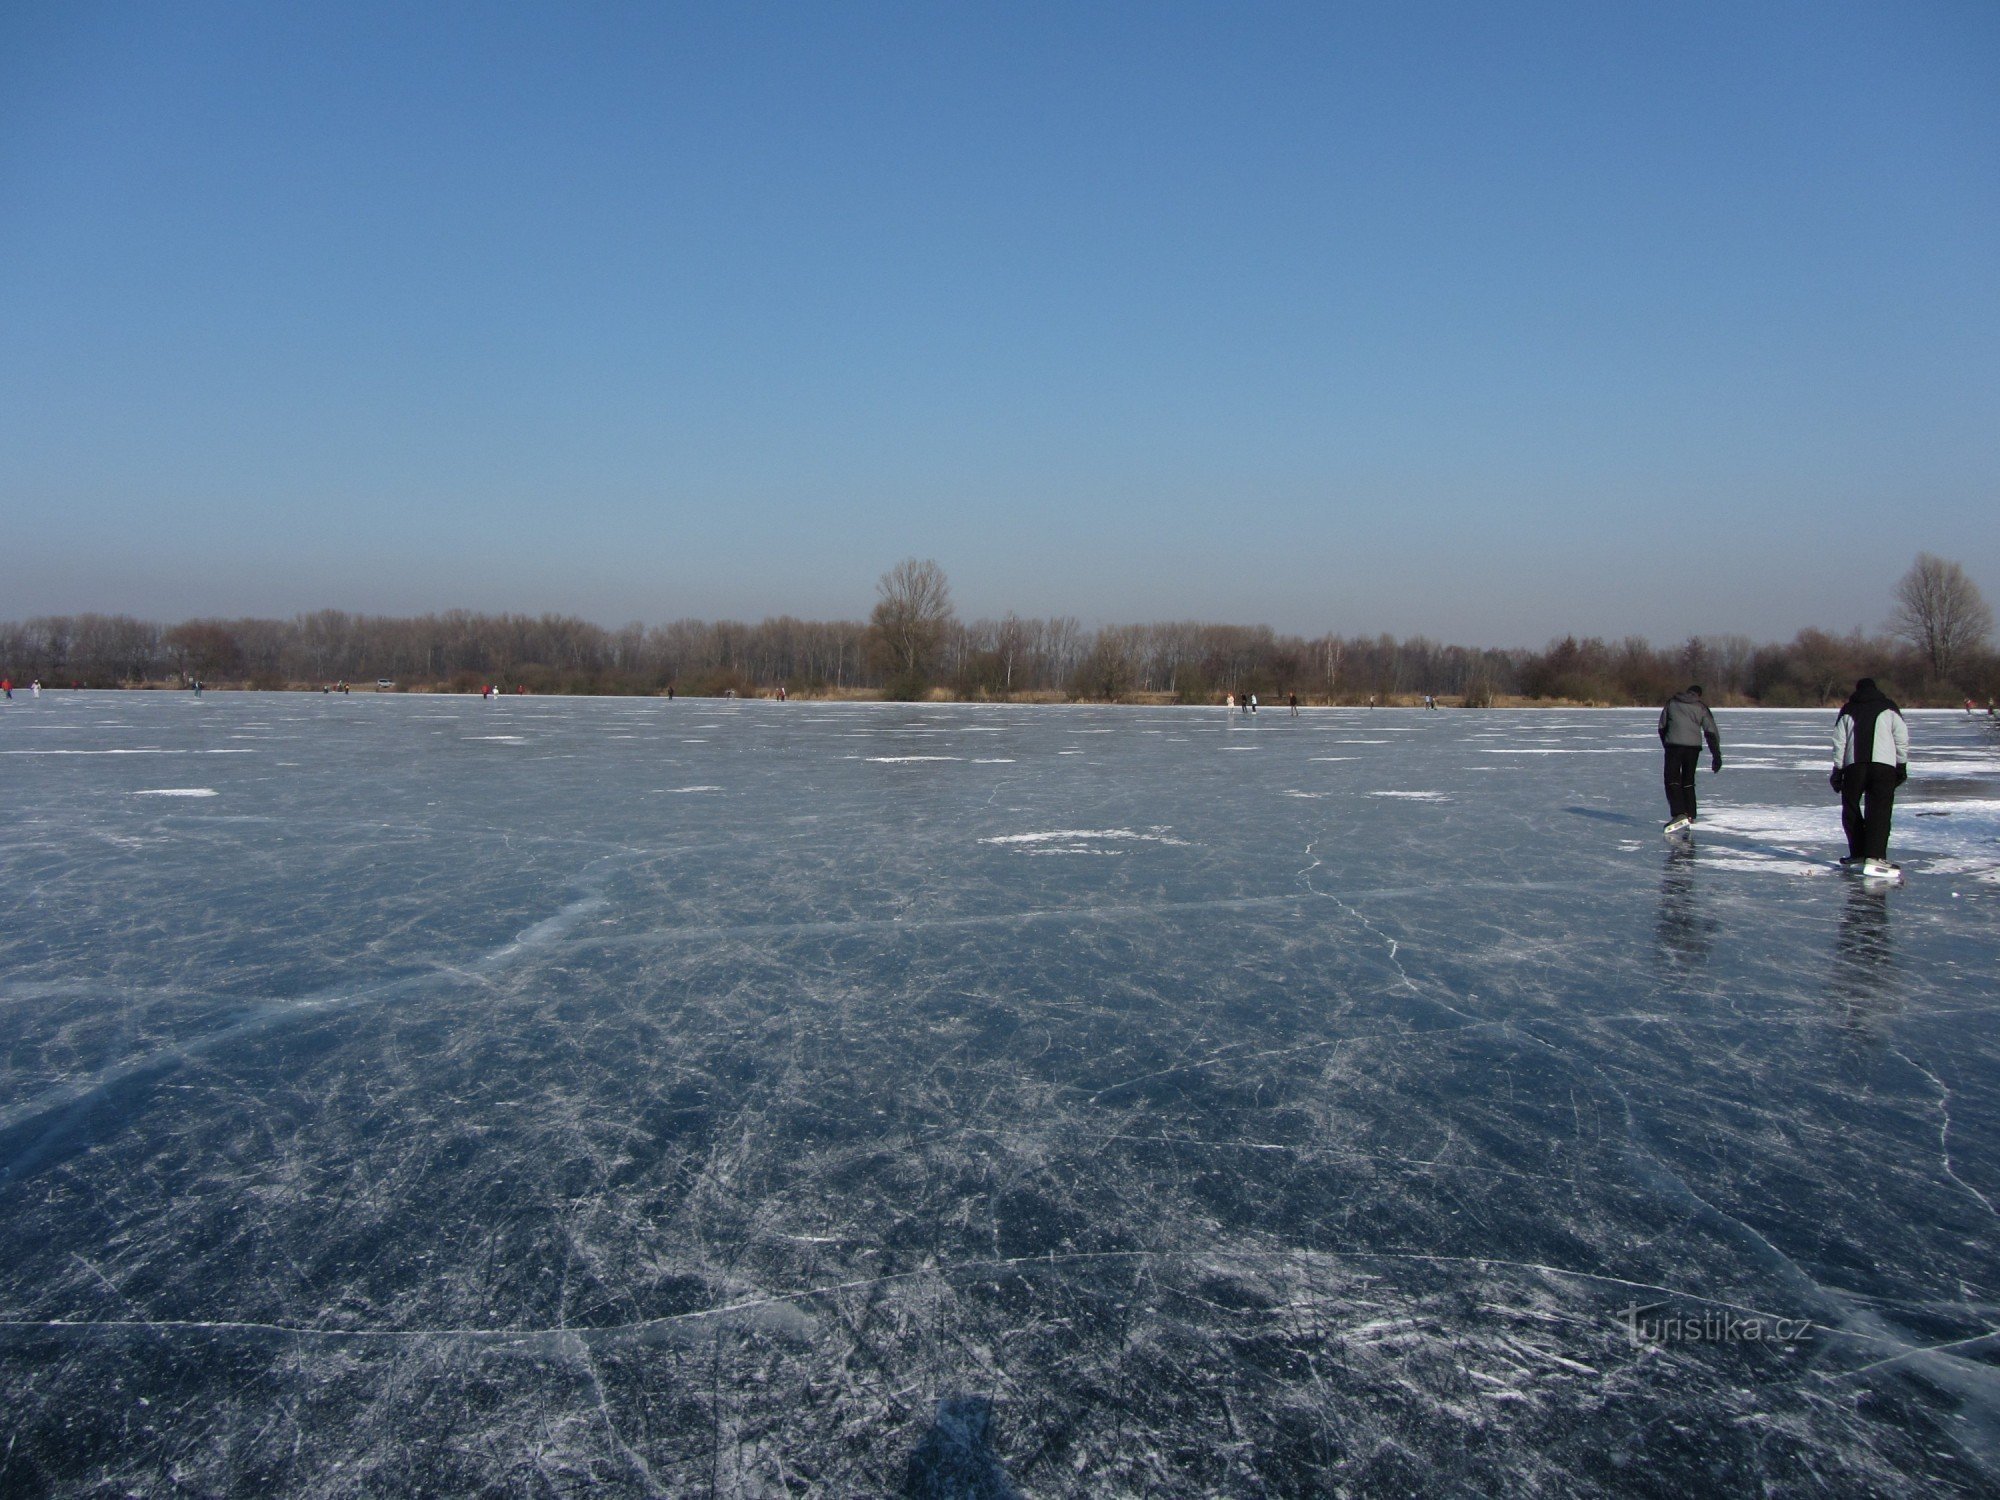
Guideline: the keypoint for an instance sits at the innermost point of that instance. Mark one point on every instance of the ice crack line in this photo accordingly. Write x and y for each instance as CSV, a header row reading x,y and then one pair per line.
x,y
1305,878
1944,1130
560,1340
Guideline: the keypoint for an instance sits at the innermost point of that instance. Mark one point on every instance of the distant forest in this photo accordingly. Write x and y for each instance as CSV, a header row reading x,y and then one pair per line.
x,y
914,646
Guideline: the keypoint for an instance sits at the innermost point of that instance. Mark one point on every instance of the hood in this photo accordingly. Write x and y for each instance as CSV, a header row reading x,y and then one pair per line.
x,y
1867,695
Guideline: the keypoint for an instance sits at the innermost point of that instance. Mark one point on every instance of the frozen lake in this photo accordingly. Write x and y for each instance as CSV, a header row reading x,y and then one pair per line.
x,y
418,1095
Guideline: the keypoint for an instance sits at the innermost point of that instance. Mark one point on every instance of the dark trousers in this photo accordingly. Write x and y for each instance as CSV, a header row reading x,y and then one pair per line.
x,y
1867,797
1681,761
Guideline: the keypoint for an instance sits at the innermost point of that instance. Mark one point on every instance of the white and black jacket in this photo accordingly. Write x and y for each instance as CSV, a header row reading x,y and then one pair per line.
x,y
1870,729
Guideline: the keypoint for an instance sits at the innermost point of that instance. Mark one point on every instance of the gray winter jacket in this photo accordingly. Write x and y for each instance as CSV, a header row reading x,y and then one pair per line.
x,y
1686,721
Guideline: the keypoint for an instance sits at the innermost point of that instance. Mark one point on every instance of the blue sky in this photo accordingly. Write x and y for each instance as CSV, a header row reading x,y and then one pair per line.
x,y
1485,321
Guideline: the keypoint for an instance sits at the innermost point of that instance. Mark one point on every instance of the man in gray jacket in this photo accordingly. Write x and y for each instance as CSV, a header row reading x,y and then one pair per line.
x,y
1684,723
1871,758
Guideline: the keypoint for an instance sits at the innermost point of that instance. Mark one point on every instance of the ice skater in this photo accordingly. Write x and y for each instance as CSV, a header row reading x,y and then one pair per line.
x,y
1871,758
1684,723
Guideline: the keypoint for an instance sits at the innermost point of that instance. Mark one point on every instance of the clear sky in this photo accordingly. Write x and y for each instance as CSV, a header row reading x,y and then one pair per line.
x,y
1488,321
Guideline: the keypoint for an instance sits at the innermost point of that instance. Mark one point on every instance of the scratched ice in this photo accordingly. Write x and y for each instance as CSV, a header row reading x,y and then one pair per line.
x,y
420,1095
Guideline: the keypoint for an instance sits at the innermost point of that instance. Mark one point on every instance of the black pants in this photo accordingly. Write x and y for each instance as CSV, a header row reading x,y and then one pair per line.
x,y
1867,797
1681,761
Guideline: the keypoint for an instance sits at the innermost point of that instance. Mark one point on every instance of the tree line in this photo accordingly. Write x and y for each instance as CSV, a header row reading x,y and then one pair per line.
x,y
1935,649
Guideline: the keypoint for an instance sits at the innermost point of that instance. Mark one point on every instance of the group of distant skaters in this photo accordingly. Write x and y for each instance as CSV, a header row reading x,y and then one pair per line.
x,y
1247,704
1871,758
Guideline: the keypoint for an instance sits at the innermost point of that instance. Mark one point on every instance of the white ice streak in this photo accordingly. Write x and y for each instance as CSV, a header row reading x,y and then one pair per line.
x,y
127,752
1079,840
177,791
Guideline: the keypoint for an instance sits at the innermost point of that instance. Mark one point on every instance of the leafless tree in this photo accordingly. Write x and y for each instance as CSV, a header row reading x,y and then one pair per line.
x,y
1939,611
912,616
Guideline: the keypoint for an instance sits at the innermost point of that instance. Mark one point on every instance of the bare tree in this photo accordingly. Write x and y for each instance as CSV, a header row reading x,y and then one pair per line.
x,y
1940,612
911,618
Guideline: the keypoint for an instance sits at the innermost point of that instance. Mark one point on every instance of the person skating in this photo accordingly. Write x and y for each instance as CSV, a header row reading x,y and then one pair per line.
x,y
1871,758
1684,723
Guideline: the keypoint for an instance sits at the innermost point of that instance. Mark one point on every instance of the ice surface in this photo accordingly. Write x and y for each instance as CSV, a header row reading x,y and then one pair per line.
x,y
428,1113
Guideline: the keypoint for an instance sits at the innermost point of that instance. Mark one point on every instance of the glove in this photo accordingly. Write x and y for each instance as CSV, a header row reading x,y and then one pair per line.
x,y
1714,761
1902,772
1834,780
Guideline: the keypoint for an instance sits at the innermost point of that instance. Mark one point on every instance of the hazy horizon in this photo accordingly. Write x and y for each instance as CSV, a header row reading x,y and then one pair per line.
x,y
1486,325
859,616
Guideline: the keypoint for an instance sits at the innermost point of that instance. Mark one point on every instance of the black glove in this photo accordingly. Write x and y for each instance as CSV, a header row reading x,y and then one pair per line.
x,y
1902,772
1834,780
1714,761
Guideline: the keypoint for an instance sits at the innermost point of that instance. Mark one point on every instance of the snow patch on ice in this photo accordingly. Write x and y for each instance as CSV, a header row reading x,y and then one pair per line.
x,y
1966,831
177,791
1764,864
1080,840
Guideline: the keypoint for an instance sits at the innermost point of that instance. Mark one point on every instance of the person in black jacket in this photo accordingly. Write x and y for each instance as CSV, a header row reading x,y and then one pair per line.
x,y
1684,723
1871,758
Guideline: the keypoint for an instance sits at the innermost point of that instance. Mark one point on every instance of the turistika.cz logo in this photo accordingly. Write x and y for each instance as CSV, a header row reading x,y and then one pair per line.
x,y
1648,1325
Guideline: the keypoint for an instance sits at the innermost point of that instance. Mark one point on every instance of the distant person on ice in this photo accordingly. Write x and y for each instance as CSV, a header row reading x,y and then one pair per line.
x,y
1871,758
1684,723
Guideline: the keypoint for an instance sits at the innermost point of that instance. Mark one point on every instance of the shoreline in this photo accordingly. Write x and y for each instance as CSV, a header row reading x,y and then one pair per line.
x,y
1278,706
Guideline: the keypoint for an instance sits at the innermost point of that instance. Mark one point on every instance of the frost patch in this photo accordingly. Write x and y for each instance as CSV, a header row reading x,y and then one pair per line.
x,y
1080,840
